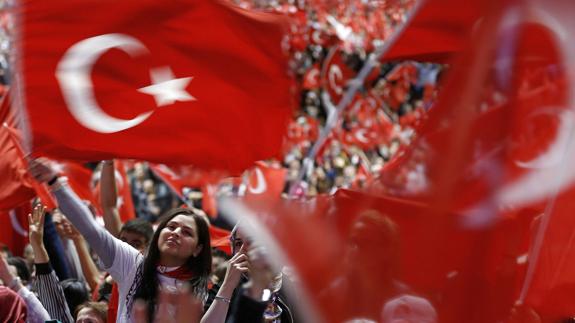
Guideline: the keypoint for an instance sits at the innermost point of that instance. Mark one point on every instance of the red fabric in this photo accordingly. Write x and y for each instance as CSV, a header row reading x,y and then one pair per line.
x,y
17,186
12,307
126,205
182,273
209,203
220,238
440,29
13,228
113,303
265,182
178,177
79,178
238,116
124,193
335,74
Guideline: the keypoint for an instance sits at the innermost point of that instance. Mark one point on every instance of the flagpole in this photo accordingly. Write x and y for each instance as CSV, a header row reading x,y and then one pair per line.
x,y
354,86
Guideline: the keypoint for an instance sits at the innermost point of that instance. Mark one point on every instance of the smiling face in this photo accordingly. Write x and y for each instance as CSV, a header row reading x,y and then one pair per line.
x,y
178,241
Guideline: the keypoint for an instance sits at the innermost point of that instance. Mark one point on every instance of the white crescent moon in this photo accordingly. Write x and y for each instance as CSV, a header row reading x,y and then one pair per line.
x,y
556,149
335,74
360,135
316,37
73,74
553,177
261,186
312,75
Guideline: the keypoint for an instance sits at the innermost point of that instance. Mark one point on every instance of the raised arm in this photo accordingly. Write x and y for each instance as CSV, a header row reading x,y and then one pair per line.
x,y
102,242
109,198
89,268
49,291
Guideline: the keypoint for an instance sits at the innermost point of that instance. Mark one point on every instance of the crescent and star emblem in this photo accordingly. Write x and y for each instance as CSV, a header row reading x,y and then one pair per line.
x,y
73,75
261,186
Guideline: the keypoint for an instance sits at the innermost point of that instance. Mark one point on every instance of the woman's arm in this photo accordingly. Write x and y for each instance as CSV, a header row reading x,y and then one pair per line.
x,y
218,310
89,268
46,284
109,198
107,247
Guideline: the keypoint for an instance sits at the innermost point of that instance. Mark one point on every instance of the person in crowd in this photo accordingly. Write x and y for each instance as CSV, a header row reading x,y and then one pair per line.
x,y
92,312
136,232
75,292
408,309
12,307
64,229
50,292
179,253
36,313
266,301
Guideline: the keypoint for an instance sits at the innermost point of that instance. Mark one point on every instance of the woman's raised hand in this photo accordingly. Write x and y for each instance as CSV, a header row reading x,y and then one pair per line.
x,y
41,170
36,225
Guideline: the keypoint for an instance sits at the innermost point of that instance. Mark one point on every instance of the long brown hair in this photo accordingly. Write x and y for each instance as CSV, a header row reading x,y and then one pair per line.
x,y
200,265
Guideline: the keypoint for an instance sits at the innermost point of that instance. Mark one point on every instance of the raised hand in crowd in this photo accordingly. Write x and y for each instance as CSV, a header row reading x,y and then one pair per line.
x,y
50,293
237,266
109,198
36,234
187,307
36,311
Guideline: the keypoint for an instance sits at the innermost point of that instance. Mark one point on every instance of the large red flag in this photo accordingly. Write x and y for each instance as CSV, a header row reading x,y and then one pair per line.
x,y
15,189
188,82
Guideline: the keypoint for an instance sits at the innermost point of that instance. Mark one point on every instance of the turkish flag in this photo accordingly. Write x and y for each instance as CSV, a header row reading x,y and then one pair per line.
x,y
14,228
17,186
220,238
79,178
185,82
439,29
265,182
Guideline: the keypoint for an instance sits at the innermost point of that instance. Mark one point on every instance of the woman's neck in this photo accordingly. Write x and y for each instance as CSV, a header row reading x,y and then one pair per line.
x,y
167,261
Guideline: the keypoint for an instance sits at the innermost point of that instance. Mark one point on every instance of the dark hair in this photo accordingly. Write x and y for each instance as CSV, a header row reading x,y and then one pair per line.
x,y
4,248
201,264
100,308
139,226
75,292
21,268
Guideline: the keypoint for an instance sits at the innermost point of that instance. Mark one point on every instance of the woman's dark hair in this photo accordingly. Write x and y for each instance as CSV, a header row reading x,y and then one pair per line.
x,y
100,308
75,292
200,265
21,268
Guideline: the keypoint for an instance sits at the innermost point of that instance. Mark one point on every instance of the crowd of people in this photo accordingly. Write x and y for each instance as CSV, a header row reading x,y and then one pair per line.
x,y
78,269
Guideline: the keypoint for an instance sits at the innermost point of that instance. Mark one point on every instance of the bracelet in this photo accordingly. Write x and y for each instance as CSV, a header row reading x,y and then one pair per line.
x,y
223,299
53,180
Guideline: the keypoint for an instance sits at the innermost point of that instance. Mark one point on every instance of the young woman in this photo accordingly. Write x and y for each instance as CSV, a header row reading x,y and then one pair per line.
x,y
178,255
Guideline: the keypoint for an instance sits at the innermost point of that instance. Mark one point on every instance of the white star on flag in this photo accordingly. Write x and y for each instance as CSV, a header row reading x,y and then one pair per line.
x,y
166,89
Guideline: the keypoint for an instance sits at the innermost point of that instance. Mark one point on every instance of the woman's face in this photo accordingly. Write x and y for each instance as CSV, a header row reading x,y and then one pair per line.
x,y
179,240
88,315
